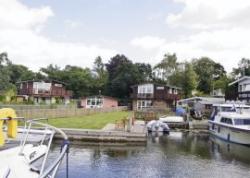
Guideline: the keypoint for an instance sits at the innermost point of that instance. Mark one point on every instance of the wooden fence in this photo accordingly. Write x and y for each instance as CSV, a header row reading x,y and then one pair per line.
x,y
36,112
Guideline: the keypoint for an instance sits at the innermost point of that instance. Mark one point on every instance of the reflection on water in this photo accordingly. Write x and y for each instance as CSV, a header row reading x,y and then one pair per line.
x,y
179,154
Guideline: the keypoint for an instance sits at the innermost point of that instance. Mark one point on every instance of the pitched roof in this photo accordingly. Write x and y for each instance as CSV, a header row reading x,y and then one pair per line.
x,y
238,80
41,80
170,86
210,100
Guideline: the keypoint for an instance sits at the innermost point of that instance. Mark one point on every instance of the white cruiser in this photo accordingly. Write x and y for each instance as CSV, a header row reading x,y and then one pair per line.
x,y
231,122
29,157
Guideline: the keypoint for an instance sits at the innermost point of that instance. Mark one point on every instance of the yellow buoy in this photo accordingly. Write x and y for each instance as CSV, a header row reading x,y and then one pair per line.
x,y
11,123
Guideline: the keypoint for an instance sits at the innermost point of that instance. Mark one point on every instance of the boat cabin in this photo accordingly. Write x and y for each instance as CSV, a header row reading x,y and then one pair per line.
x,y
227,108
233,119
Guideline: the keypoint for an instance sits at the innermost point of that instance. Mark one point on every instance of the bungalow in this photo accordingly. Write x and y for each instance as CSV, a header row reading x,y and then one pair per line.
x,y
150,95
98,101
43,91
240,90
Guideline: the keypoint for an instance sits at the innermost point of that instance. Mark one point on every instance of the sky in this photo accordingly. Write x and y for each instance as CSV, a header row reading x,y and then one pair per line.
x,y
37,33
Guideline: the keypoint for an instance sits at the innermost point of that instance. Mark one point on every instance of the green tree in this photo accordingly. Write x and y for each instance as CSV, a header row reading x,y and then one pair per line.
x,y
123,74
242,69
207,71
52,72
168,65
100,76
189,80
5,84
20,73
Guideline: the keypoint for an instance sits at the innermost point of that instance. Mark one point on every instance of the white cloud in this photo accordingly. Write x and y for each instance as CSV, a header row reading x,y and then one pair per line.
x,y
20,36
148,42
218,29
212,14
72,24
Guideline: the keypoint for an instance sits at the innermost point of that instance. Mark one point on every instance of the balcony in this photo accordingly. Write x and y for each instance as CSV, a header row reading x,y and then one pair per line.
x,y
142,95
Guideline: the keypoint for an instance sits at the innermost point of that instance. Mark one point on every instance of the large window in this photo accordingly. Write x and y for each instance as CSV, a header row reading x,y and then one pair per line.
x,y
146,89
242,121
143,104
41,87
94,102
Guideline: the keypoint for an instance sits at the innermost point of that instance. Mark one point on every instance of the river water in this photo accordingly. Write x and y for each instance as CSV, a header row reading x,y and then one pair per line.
x,y
180,154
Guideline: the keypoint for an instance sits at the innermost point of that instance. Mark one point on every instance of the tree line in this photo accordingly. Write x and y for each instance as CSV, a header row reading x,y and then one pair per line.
x,y
196,77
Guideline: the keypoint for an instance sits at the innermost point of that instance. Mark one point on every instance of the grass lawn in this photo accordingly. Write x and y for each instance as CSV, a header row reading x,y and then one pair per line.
x,y
93,121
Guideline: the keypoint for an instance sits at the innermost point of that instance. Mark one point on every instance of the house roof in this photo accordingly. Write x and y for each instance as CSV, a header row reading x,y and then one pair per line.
x,y
170,86
46,80
100,96
207,100
239,80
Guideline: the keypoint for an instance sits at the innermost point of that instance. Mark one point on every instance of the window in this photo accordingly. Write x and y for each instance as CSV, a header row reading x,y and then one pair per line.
x,y
246,87
226,120
94,102
143,104
41,87
146,89
242,121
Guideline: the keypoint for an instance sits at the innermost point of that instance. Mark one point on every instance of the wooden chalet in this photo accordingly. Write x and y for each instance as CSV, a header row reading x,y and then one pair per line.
x,y
150,95
43,91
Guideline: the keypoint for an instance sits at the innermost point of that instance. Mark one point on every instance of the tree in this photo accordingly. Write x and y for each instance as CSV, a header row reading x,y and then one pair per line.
x,y
123,74
145,72
78,79
168,65
5,74
207,71
189,80
52,72
100,76
20,73
242,69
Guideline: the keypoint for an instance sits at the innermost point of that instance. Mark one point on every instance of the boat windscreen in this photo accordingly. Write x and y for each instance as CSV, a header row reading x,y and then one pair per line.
x,y
242,121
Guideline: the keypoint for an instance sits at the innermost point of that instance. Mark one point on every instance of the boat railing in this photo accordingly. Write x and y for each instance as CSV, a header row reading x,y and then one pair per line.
x,y
50,170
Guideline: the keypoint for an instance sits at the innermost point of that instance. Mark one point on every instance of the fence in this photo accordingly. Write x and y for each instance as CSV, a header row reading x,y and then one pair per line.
x,y
31,112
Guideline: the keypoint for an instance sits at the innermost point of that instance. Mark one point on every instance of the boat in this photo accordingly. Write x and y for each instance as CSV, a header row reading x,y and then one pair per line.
x,y
231,122
27,155
157,126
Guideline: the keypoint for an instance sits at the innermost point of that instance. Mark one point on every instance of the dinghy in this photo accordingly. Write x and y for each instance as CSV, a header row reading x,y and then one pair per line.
x,y
157,126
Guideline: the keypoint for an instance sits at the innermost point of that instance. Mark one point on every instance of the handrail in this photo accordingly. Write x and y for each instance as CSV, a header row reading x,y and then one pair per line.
x,y
52,169
56,162
49,126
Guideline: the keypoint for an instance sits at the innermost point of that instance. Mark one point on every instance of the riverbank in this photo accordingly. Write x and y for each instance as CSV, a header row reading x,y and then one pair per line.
x,y
92,121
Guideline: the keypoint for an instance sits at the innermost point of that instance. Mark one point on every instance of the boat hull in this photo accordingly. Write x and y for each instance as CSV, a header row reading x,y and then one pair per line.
x,y
230,134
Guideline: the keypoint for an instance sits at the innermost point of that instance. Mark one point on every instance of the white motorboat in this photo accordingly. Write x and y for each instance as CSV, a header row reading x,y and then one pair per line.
x,y
29,158
231,122
171,119
157,126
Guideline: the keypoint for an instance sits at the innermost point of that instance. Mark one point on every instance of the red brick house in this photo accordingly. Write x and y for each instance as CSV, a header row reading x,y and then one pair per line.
x,y
150,95
43,91
98,101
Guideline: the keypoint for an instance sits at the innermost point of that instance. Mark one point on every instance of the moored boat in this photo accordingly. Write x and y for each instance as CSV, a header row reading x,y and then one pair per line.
x,y
29,158
231,122
157,126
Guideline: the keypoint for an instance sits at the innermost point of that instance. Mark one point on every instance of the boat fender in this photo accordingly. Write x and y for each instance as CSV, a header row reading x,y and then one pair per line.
x,y
12,124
